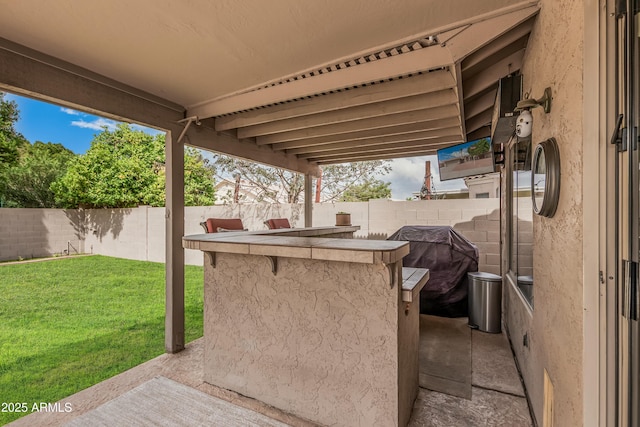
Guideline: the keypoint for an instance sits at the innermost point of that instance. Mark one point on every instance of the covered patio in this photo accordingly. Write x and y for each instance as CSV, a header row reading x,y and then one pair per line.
x,y
296,95
299,86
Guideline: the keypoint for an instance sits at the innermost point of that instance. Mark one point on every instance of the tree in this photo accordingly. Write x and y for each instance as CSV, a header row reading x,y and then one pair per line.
x,y
276,185
371,189
198,179
338,179
269,184
125,168
27,182
10,140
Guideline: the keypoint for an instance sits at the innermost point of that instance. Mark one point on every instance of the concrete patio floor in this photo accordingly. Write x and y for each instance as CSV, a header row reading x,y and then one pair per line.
x,y
498,397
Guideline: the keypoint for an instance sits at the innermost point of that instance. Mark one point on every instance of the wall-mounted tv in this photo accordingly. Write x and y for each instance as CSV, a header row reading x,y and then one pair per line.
x,y
466,159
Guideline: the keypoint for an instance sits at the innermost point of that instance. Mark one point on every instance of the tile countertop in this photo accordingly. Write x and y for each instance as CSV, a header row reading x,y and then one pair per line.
x,y
298,243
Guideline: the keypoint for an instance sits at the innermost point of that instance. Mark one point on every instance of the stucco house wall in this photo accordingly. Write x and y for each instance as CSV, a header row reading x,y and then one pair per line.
x,y
554,329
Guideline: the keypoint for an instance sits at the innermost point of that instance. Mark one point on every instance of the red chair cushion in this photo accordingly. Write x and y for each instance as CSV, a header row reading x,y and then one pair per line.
x,y
227,223
276,223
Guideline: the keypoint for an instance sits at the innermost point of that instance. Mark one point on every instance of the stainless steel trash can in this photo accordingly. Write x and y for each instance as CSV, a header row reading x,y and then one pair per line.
x,y
485,301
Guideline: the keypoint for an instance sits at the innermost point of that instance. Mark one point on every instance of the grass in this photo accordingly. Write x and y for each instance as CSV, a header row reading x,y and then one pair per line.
x,y
70,323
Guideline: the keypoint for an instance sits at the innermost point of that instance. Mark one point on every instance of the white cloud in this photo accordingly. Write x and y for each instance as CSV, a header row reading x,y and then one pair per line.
x,y
407,176
97,124
70,111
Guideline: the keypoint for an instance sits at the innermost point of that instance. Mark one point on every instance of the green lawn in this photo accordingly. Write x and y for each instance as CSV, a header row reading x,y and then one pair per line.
x,y
67,324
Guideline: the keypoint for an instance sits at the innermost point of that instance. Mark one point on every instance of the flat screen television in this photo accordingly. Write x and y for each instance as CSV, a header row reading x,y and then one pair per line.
x,y
466,159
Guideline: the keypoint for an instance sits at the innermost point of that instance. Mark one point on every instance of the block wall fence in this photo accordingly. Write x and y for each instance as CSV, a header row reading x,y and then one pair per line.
x,y
139,233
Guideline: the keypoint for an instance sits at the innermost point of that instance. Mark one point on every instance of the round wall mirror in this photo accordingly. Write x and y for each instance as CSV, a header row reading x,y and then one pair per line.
x,y
545,178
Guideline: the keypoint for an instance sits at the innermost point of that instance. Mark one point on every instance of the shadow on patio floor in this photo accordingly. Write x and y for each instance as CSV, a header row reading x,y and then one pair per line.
x,y
497,396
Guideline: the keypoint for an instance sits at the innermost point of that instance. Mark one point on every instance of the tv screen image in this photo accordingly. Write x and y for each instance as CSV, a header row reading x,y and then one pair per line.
x,y
466,159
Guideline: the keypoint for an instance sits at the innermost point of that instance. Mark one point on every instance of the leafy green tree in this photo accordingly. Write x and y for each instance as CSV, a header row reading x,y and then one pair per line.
x,y
276,185
198,179
371,189
10,140
125,168
27,182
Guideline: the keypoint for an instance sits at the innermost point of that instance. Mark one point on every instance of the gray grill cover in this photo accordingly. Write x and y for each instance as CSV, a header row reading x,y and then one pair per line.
x,y
449,257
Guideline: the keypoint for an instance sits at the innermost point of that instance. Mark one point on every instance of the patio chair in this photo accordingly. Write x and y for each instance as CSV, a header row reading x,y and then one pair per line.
x,y
216,225
276,223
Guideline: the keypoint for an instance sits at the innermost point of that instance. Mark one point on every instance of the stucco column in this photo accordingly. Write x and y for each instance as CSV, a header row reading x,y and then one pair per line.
x,y
174,267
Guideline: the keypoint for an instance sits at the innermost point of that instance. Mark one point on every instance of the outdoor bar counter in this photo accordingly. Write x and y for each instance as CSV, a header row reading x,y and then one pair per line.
x,y
312,322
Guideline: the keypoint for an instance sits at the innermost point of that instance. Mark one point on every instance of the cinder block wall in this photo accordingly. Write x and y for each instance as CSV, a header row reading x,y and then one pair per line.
x,y
117,232
139,233
476,219
30,233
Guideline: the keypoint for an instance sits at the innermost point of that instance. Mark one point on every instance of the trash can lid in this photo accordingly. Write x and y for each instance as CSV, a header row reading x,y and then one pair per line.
x,y
525,280
490,277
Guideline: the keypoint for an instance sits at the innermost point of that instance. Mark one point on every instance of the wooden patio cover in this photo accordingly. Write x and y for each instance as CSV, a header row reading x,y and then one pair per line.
x,y
291,84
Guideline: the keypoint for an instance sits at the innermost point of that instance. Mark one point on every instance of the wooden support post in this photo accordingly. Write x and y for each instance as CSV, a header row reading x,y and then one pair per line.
x,y
174,267
308,200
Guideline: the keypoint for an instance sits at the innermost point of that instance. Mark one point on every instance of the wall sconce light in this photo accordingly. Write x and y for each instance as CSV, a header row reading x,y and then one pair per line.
x,y
524,124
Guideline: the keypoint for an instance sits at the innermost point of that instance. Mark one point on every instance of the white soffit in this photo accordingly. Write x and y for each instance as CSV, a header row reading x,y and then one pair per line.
x,y
189,52
407,100
314,81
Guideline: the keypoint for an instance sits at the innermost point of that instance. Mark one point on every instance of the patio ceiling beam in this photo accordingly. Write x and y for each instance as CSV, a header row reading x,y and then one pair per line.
x,y
483,33
460,95
386,156
33,74
482,132
403,105
391,148
380,141
363,95
208,139
34,78
400,131
480,105
489,77
425,59
363,124
514,39
479,121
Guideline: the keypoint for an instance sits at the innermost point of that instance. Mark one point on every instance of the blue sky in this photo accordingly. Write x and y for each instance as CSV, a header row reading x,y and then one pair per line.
x,y
40,121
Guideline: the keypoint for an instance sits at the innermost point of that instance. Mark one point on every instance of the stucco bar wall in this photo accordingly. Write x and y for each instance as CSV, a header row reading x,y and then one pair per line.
x,y
554,329
326,337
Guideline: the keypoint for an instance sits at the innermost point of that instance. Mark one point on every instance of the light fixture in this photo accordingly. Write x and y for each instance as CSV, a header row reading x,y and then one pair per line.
x,y
544,102
524,123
